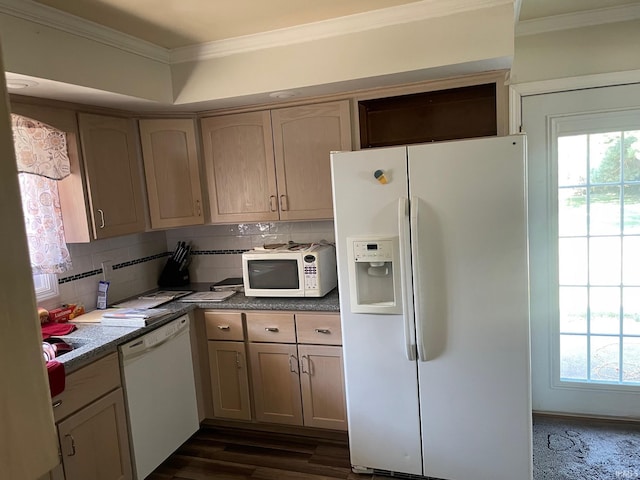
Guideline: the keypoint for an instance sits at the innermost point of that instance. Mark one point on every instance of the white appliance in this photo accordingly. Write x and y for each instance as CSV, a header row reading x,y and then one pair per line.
x,y
160,393
298,271
431,243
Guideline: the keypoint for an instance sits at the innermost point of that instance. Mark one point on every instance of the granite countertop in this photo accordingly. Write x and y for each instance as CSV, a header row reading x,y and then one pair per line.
x,y
93,340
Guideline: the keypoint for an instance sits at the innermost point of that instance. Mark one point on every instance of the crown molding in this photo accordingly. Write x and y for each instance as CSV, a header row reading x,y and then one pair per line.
x,y
50,17
411,12
360,22
587,18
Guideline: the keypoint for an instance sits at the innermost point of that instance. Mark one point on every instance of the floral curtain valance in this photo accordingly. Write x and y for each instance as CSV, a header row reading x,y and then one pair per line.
x,y
40,149
41,155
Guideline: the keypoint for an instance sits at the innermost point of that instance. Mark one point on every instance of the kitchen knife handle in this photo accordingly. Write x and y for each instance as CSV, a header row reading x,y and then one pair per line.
x,y
417,279
405,279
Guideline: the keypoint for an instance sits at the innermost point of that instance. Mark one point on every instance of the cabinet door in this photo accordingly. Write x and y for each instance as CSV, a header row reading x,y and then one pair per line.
x,y
113,175
302,138
229,380
238,155
322,382
170,155
94,441
276,383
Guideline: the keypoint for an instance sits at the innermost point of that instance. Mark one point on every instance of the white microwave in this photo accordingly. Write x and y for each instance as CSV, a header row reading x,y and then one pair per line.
x,y
307,272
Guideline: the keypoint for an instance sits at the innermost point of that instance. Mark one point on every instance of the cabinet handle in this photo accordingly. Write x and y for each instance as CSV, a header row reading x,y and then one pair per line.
x,y
101,212
73,445
271,329
293,361
224,327
273,203
198,209
308,370
326,331
238,364
57,403
283,203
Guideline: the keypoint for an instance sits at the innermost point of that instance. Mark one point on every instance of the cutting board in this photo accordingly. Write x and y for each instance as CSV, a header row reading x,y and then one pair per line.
x,y
95,316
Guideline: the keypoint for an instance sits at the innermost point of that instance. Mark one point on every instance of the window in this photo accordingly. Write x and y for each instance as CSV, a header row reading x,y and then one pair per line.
x,y
598,195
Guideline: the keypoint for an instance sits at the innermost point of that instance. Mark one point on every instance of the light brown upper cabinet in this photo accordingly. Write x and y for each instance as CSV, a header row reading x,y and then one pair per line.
x,y
274,165
109,150
303,137
170,155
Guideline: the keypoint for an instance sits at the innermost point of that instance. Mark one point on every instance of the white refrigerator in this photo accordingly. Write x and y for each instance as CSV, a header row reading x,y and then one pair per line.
x,y
431,242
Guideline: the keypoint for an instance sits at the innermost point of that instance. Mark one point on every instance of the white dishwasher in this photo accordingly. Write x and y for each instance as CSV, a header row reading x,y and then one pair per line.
x,y
160,393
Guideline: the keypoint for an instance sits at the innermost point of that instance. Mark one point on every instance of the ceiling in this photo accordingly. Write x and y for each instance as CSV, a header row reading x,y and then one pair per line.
x,y
168,25
180,23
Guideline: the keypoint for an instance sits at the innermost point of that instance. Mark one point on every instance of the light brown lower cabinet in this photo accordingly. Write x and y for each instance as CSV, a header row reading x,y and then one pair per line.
x,y
322,386
229,380
276,383
94,442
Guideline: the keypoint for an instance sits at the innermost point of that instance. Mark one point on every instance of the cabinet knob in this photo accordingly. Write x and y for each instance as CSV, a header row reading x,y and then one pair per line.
x,y
272,329
224,327
326,331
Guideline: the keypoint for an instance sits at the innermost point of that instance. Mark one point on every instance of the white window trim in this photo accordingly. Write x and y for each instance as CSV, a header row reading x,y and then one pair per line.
x,y
46,286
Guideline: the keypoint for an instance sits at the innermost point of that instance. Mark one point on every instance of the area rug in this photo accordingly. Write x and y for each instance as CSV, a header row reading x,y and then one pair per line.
x,y
565,448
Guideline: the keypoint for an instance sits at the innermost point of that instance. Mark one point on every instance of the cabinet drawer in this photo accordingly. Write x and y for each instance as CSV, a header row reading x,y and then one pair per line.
x,y
271,327
87,384
224,325
317,328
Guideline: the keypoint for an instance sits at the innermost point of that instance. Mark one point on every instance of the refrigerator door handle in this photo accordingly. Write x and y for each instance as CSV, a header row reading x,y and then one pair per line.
x,y
405,278
415,254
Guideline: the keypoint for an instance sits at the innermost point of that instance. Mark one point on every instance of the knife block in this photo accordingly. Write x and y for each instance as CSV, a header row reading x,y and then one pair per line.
x,y
173,276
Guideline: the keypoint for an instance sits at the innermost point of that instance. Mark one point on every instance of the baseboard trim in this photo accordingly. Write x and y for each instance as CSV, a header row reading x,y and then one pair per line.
x,y
333,435
596,419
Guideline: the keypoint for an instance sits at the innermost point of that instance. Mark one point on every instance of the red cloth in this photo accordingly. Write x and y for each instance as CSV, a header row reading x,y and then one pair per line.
x,y
55,370
50,329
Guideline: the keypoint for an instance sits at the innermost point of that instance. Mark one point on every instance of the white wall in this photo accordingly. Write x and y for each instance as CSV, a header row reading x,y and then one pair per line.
x,y
483,35
576,52
36,50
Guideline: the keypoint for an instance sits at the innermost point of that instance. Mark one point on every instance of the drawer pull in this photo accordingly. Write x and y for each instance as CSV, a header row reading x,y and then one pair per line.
x,y
323,330
272,329
224,327
57,403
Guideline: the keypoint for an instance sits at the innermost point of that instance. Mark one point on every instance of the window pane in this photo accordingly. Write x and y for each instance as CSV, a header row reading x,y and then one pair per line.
x,y
604,210
631,362
573,309
631,209
605,358
572,160
573,357
631,163
631,264
604,261
604,157
572,212
573,261
631,310
604,303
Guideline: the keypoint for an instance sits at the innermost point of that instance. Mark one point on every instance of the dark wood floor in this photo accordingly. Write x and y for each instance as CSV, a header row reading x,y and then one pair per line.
x,y
222,453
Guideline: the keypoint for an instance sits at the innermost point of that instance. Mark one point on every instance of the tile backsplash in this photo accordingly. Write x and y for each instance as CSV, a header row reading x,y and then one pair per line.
x,y
217,249
133,263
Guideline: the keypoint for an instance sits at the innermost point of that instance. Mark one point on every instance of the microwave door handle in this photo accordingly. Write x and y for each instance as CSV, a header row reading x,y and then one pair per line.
x,y
405,278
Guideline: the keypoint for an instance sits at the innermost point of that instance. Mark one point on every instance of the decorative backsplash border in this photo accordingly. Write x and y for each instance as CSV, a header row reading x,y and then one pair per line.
x,y
117,266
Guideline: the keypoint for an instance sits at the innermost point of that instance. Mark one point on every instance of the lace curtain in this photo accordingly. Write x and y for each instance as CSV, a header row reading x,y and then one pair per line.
x,y
41,155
